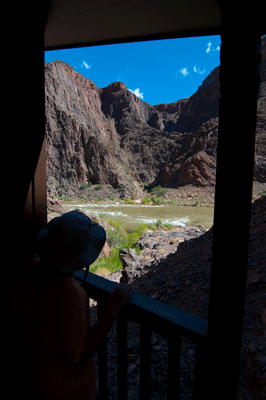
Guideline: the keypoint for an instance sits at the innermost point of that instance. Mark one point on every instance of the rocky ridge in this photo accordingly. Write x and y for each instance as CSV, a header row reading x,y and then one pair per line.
x,y
111,137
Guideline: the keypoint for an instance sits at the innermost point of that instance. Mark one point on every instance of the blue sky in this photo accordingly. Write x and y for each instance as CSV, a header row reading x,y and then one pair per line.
x,y
160,71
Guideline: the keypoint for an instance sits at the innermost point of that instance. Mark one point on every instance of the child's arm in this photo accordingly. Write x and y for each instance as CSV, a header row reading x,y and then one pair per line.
x,y
118,299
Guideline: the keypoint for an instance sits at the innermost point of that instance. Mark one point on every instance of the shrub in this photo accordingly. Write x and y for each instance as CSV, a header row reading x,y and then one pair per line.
x,y
159,223
85,185
159,190
147,186
118,238
162,192
167,226
156,188
115,224
146,200
136,234
171,202
66,198
128,201
157,200
111,262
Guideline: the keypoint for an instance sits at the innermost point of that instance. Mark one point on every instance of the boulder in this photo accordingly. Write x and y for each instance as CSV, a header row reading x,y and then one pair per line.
x,y
131,265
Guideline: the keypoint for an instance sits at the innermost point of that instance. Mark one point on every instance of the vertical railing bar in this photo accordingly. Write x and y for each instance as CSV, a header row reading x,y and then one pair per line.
x,y
200,376
122,356
145,362
174,356
102,360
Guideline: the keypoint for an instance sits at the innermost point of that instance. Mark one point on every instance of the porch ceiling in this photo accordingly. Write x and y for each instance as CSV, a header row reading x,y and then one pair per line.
x,y
72,23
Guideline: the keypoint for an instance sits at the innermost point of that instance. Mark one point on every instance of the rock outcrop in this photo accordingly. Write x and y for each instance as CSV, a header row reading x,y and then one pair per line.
x,y
110,136
131,265
154,247
82,144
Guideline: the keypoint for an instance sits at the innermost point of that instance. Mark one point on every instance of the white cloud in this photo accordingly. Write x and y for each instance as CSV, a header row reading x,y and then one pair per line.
x,y
138,93
208,47
198,71
184,71
84,64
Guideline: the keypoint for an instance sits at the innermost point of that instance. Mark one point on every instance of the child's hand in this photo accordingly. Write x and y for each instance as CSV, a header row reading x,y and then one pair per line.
x,y
119,296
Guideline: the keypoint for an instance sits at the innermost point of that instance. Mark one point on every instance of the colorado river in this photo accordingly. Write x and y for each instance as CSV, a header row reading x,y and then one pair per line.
x,y
135,214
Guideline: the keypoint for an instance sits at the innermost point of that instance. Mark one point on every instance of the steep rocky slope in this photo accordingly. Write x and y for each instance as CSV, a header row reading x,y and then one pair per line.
x,y
82,144
110,136
202,106
260,165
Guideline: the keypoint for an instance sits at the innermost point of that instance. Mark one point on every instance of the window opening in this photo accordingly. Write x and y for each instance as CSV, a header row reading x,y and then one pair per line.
x,y
127,138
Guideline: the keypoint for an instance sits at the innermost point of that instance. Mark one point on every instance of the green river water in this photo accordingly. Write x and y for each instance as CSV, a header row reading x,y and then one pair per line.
x,y
135,214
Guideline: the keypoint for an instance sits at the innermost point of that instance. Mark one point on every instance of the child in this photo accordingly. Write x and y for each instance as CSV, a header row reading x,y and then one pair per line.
x,y
55,309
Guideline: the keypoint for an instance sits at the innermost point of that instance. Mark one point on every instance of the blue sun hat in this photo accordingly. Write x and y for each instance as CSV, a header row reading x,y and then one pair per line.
x,y
70,242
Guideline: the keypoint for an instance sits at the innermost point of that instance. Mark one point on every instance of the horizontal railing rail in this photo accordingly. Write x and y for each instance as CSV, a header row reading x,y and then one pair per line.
x,y
152,316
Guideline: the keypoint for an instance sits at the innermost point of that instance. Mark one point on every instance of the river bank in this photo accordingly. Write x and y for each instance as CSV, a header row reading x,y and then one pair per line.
x,y
188,195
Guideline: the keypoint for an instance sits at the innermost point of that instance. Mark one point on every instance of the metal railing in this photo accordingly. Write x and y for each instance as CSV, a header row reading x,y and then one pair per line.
x,y
152,316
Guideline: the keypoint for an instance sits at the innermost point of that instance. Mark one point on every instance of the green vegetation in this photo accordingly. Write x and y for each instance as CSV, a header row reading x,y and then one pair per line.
x,y
158,189
146,200
159,223
129,201
102,215
171,202
64,198
85,185
147,187
82,198
157,200
118,237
